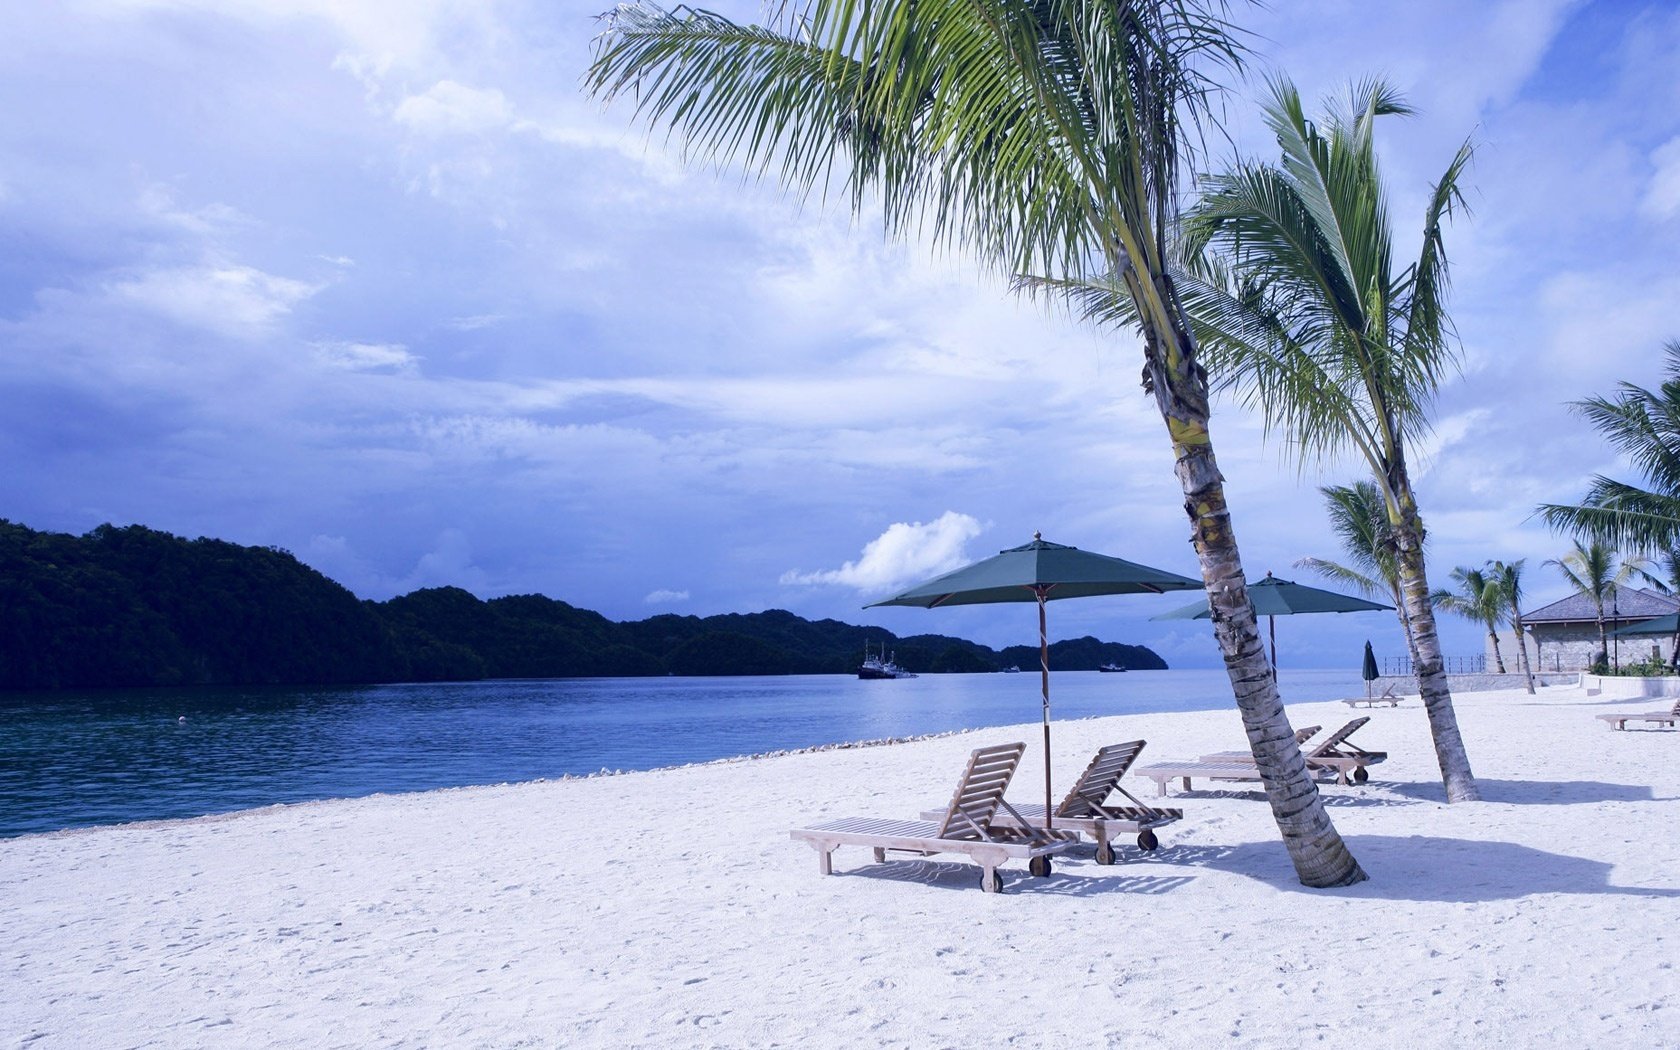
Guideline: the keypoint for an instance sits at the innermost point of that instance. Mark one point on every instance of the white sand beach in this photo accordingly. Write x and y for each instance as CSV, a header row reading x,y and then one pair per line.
x,y
672,909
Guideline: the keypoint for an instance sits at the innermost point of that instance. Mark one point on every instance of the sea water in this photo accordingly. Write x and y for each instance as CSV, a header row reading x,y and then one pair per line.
x,y
75,759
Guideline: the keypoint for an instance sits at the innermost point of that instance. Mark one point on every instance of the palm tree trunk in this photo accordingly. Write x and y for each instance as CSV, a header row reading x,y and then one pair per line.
x,y
1603,640
1522,646
1320,856
1432,679
1498,660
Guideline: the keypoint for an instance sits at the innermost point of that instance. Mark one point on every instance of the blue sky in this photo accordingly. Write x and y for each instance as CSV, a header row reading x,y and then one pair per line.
x,y
376,284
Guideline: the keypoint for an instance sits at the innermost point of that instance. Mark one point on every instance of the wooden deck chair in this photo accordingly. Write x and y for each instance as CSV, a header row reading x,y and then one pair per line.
x,y
1668,718
1086,808
968,825
1334,754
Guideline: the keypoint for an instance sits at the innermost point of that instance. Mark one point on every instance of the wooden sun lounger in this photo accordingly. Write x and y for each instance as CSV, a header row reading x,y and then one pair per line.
x,y
1086,808
968,826
1668,718
1348,761
1373,701
1162,772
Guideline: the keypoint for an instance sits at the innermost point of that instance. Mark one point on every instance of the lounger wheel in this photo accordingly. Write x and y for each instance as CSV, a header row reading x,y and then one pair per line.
x,y
1105,852
1361,775
1039,866
991,881
1147,841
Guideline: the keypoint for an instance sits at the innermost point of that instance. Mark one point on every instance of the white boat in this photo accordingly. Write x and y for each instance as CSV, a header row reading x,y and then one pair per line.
x,y
1110,668
880,665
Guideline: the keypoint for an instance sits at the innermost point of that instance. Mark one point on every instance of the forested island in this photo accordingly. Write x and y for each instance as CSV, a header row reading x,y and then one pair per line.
x,y
133,606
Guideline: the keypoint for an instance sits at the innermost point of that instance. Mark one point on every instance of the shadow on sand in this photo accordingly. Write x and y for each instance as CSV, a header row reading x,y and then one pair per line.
x,y
1535,792
1430,868
1076,876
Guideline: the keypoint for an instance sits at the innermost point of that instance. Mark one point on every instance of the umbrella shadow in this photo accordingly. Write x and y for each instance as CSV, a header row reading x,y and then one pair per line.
x,y
1429,868
1536,792
958,875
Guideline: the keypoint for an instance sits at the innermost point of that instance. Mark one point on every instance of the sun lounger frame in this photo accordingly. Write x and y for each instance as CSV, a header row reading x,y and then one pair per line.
x,y
1086,810
1333,754
1670,718
968,827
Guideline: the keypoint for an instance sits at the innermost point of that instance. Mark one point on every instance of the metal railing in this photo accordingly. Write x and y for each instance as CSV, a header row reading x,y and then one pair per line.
x,y
1401,666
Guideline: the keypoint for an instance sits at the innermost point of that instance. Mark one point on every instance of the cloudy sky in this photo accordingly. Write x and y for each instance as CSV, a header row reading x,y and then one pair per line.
x,y
375,283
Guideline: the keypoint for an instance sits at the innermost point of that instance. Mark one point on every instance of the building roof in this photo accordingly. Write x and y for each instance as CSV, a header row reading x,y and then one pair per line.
x,y
1630,604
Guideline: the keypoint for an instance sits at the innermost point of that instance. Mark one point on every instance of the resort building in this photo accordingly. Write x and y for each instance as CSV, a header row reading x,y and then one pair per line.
x,y
1565,633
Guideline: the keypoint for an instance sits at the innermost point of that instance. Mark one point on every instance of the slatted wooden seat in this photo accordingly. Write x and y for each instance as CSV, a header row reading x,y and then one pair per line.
x,y
967,826
1373,701
1668,718
1333,754
1086,808
1162,772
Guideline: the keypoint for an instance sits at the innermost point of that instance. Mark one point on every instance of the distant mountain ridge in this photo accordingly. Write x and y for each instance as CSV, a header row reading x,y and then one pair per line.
x,y
133,606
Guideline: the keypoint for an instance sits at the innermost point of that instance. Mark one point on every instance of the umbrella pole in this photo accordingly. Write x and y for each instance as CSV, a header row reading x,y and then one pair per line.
x,y
1271,629
1044,676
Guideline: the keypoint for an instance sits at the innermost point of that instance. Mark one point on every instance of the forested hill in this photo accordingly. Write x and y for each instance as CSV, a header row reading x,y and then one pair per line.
x,y
137,607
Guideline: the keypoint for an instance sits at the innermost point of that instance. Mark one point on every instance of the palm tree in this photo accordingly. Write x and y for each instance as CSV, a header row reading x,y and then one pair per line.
x,y
1509,578
1293,293
1479,598
1644,426
1592,569
1044,135
1359,519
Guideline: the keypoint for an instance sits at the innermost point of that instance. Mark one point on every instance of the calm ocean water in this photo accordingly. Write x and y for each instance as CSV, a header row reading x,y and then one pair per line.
x,y
76,759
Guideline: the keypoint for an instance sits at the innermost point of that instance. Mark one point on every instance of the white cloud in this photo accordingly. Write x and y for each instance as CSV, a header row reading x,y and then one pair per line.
x,y
364,357
664,597
450,108
1662,196
228,299
906,552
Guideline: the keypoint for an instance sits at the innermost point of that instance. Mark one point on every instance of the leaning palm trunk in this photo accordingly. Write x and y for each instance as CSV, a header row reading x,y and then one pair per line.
x,y
1454,761
1498,658
1522,646
1180,386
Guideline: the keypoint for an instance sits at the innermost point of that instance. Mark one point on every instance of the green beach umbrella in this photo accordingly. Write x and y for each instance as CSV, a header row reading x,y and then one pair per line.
x,y
1274,597
1660,625
1040,572
1369,672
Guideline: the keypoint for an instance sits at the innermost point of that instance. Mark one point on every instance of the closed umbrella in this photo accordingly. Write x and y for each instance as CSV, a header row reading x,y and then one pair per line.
x,y
1040,571
1274,597
1369,671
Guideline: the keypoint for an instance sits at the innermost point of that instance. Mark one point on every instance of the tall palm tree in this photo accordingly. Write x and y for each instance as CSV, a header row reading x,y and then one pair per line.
x,y
1509,578
1593,570
1294,293
1359,518
1044,135
1480,598
1644,426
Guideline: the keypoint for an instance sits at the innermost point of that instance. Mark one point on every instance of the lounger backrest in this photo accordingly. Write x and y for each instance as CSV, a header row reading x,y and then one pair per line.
x,y
1098,781
1305,733
1675,710
979,791
1328,747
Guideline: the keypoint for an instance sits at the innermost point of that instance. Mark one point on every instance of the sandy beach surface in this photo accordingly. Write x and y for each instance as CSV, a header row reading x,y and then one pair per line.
x,y
672,909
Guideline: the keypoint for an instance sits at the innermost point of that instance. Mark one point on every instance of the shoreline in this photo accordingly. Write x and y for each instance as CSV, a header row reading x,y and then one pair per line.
x,y
672,909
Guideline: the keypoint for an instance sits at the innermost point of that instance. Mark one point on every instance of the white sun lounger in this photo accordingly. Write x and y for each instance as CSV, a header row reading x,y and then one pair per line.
x,y
1086,807
968,826
1668,718
1333,754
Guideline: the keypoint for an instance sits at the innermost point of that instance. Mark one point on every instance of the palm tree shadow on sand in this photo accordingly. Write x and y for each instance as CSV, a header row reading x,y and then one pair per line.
x,y
1431,868
1072,875
1535,792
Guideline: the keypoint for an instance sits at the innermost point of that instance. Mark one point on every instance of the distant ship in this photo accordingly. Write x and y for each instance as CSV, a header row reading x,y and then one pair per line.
x,y
880,665
1109,668
1011,669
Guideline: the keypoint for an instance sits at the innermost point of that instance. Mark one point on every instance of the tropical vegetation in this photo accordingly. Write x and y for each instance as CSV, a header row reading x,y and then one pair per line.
x,y
1644,426
1508,576
1359,519
137,607
1481,598
1047,138
1294,290
1597,571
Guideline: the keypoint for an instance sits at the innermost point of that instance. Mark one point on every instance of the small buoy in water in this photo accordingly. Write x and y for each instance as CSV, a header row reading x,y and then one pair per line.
x,y
182,720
